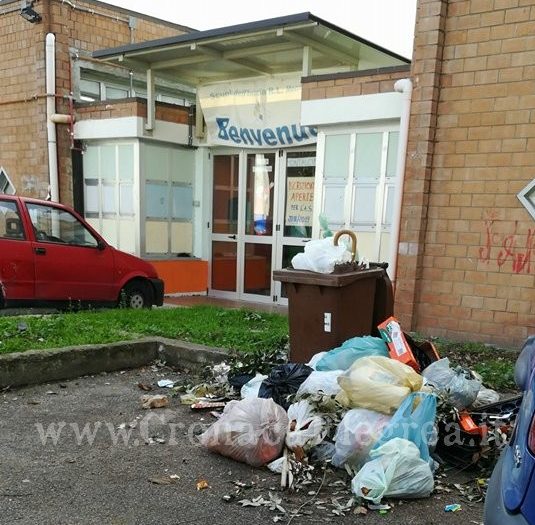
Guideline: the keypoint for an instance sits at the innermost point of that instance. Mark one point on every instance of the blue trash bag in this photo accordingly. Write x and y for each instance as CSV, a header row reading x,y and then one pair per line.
x,y
344,356
414,423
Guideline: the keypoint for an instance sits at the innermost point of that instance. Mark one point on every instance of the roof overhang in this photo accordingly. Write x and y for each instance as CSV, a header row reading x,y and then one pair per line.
x,y
301,43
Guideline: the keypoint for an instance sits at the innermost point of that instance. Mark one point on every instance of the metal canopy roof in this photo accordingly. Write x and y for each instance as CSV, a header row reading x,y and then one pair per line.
x,y
300,43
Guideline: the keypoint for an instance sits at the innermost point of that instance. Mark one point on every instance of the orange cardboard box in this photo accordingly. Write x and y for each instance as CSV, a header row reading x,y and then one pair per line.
x,y
398,347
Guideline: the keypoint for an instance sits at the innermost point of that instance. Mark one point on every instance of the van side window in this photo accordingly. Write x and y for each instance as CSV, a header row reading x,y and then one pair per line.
x,y
52,224
10,221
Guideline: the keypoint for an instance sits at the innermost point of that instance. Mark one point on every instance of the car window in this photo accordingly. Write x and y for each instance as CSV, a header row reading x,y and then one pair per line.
x,y
55,225
10,221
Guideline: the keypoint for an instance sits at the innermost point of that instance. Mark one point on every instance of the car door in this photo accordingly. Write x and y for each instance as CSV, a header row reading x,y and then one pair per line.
x,y
70,262
16,256
519,458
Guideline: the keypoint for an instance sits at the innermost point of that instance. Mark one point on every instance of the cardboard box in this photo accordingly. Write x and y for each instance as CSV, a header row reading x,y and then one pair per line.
x,y
398,346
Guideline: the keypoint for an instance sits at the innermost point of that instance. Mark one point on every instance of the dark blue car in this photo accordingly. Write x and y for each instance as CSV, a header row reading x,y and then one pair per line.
x,y
511,492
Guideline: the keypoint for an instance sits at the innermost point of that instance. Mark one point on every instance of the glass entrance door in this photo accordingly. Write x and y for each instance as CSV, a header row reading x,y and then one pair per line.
x,y
225,214
259,226
296,201
242,240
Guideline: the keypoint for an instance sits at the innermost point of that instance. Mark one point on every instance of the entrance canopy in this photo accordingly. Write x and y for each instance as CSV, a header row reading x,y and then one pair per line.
x,y
301,43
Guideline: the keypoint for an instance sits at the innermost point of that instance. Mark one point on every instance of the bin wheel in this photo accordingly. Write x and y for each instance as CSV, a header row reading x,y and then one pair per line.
x,y
136,295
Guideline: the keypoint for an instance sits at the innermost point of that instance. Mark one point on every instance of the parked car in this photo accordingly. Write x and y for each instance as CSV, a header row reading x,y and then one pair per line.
x,y
511,493
49,253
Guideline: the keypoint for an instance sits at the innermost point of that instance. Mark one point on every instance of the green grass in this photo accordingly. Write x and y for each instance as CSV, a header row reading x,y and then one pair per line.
x,y
234,329
260,334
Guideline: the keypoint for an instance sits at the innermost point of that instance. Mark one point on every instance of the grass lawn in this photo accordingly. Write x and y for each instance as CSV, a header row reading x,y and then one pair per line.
x,y
241,330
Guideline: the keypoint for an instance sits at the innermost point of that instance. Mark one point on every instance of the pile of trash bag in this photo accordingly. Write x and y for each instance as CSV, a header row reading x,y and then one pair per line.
x,y
358,407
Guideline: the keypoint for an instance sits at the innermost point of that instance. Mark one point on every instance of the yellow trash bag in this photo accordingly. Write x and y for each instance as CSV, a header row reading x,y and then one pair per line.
x,y
377,383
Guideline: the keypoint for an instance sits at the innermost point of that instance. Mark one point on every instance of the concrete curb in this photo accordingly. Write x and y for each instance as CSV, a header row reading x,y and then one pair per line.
x,y
42,366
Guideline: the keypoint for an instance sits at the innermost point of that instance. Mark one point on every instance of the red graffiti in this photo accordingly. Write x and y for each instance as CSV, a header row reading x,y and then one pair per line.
x,y
508,251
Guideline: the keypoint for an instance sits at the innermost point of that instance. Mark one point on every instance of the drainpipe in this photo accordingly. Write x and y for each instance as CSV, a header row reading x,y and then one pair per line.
x,y
403,86
50,111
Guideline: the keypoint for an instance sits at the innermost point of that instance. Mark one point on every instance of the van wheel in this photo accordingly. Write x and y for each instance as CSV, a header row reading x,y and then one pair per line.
x,y
136,294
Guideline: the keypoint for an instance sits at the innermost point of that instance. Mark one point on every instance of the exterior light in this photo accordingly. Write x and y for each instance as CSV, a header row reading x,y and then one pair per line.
x,y
28,13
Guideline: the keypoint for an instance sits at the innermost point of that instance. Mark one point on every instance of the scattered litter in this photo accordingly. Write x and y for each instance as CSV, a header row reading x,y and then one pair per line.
x,y
165,480
166,383
454,507
145,387
51,393
379,506
202,484
204,405
159,401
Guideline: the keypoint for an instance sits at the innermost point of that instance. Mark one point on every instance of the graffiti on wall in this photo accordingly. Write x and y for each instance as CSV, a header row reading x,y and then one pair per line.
x,y
506,248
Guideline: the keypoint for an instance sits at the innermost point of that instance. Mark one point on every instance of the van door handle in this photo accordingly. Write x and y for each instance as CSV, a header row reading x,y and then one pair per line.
x,y
232,237
40,251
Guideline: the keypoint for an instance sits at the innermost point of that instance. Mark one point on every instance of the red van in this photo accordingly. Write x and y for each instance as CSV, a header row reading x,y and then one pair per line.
x,y
49,253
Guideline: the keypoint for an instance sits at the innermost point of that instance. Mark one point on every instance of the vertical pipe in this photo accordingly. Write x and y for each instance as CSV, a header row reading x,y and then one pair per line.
x,y
50,60
403,86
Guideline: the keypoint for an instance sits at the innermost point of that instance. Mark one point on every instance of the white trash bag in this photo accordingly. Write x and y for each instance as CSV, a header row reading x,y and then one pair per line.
x,y
321,255
395,470
251,431
485,396
356,434
252,387
457,384
305,429
325,383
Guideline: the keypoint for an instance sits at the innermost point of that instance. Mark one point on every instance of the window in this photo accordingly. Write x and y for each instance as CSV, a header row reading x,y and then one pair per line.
x,y
59,226
359,183
10,221
169,174
6,185
109,180
113,92
89,90
110,192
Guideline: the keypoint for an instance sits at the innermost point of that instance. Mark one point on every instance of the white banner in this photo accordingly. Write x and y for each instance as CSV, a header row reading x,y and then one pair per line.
x,y
260,113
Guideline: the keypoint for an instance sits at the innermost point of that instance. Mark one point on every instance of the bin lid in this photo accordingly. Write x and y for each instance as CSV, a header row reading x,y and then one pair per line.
x,y
336,280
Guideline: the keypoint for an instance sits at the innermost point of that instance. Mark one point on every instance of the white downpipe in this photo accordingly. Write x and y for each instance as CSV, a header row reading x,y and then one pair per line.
x,y
403,86
50,57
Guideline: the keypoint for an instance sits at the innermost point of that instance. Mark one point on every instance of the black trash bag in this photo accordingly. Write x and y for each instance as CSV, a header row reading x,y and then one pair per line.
x,y
238,380
282,381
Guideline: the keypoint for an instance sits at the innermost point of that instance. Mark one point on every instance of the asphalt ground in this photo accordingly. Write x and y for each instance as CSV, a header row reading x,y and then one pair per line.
x,y
92,480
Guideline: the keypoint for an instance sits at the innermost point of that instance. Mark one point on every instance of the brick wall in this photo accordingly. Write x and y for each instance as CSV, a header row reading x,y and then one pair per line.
x,y
466,268
129,108
353,83
23,139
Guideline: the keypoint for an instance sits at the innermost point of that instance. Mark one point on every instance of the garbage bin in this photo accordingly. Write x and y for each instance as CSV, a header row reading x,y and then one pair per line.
x,y
325,310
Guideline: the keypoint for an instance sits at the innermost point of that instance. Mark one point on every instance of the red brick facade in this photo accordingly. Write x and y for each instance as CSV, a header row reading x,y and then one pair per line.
x,y
466,267
353,83
131,107
90,25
